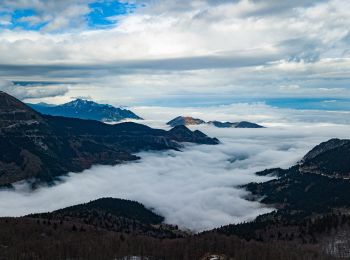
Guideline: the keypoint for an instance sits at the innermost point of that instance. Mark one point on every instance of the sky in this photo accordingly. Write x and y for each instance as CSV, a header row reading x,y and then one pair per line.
x,y
291,54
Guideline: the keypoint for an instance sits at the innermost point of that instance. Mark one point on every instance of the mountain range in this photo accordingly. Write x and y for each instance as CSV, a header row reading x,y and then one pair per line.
x,y
186,120
42,147
86,109
311,199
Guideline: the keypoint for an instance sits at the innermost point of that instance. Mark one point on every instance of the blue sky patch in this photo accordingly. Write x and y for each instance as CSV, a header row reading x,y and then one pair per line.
x,y
17,15
103,14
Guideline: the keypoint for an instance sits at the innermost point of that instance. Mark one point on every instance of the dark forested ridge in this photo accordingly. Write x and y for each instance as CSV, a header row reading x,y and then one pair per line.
x,y
44,147
313,202
112,229
319,183
331,158
116,207
115,215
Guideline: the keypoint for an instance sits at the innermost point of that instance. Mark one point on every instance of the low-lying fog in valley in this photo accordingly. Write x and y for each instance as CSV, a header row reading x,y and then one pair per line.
x,y
199,187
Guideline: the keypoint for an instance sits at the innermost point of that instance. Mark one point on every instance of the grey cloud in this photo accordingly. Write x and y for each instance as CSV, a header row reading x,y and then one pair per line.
x,y
261,8
175,64
277,7
32,91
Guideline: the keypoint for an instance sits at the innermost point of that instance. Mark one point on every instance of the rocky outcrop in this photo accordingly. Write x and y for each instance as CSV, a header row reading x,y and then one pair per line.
x,y
331,158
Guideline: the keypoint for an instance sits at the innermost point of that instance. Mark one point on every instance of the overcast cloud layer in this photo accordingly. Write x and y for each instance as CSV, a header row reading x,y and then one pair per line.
x,y
171,50
197,188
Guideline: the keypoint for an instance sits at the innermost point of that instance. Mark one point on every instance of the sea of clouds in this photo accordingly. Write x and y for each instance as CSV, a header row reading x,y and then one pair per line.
x,y
197,188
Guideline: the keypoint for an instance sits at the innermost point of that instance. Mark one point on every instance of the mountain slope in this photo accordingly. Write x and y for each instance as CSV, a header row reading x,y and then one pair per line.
x,y
318,183
44,147
312,201
85,109
331,158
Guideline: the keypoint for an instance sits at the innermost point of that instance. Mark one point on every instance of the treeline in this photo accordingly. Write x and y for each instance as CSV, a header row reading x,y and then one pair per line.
x,y
26,238
288,226
116,215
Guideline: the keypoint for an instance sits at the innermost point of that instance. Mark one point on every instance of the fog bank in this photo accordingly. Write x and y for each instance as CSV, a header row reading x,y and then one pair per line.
x,y
197,188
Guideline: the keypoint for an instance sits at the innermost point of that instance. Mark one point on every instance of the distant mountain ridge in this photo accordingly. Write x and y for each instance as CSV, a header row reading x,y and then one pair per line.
x,y
85,109
42,147
187,120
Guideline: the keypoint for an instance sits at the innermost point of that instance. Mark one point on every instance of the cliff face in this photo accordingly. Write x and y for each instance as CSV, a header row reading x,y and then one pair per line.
x,y
331,159
44,147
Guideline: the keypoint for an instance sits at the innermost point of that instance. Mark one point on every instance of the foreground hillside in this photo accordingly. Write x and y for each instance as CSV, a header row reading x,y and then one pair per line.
x,y
34,146
114,229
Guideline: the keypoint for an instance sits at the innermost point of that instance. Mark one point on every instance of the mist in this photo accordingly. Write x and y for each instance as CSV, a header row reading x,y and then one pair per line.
x,y
198,188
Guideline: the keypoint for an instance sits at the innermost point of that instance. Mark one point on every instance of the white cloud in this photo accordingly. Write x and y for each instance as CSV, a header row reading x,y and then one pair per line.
x,y
56,15
32,91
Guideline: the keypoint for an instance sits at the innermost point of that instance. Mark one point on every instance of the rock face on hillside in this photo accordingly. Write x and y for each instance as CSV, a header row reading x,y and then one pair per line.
x,y
319,183
14,113
187,121
331,158
85,109
312,200
45,147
